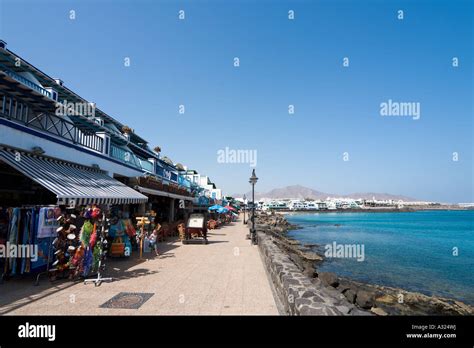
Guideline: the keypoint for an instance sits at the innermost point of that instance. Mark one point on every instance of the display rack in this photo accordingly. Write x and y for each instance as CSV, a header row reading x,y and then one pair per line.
x,y
103,252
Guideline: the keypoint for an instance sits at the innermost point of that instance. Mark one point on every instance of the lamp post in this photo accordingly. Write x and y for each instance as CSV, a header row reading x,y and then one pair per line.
x,y
253,235
244,198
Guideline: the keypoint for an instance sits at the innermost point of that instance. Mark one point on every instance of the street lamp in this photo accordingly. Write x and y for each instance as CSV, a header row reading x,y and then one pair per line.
x,y
253,235
244,198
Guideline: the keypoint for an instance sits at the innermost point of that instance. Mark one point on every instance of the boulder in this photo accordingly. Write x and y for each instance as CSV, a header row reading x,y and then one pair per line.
x,y
311,256
308,269
293,242
365,299
378,311
328,278
350,295
344,285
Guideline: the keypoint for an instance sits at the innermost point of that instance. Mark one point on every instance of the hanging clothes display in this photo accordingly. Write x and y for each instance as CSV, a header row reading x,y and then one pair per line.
x,y
56,241
45,225
27,239
4,223
77,254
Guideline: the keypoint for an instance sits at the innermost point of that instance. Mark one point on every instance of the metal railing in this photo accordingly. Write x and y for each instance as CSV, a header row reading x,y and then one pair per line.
x,y
146,165
13,110
124,156
26,82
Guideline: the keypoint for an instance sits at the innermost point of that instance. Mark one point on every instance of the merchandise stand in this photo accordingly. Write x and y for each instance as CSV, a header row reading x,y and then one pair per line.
x,y
103,251
49,257
50,242
36,283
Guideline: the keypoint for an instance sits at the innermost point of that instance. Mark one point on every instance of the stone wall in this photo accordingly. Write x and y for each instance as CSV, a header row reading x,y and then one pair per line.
x,y
296,292
302,289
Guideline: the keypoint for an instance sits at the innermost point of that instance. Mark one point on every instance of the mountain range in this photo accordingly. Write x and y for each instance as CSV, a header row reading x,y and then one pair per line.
x,y
302,192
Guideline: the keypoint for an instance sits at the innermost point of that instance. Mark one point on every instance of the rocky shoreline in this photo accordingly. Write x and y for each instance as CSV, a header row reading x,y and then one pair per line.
x,y
350,296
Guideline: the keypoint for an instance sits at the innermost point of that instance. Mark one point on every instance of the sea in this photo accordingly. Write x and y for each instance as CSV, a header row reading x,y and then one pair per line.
x,y
431,252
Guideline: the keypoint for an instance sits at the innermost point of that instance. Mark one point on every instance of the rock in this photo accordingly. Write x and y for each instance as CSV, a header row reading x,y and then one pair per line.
x,y
308,269
308,294
279,229
293,242
357,312
350,295
328,278
378,311
364,299
386,299
343,309
311,256
313,310
317,282
310,245
344,285
299,302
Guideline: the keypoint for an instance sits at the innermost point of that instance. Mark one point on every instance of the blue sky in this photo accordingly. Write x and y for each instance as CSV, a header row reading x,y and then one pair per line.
x,y
282,62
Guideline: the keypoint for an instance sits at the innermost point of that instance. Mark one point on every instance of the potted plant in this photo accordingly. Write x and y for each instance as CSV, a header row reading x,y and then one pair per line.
x,y
127,130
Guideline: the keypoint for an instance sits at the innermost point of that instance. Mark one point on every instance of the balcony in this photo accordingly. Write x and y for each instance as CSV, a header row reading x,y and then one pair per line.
x,y
147,166
20,113
26,82
124,156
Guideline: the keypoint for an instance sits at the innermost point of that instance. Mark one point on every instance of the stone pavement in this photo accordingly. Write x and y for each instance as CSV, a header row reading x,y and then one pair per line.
x,y
225,277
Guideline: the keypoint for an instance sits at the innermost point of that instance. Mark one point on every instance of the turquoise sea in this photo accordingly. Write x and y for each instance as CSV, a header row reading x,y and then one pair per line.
x,y
413,250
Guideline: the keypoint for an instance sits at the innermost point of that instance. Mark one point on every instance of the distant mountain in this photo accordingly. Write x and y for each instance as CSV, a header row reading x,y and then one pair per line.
x,y
301,192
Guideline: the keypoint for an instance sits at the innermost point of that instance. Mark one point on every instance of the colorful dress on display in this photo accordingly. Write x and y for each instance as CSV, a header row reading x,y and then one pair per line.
x,y
121,245
13,237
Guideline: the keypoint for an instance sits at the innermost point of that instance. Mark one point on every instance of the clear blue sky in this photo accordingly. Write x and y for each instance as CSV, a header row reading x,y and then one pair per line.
x,y
283,62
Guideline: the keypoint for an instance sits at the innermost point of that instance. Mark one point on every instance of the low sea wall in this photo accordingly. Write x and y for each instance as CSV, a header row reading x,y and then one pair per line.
x,y
301,289
296,293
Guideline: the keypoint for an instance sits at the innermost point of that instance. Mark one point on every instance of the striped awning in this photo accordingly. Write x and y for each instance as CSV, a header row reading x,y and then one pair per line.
x,y
72,184
162,193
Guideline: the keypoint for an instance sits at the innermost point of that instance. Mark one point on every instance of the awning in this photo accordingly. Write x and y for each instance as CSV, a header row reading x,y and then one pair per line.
x,y
162,193
71,183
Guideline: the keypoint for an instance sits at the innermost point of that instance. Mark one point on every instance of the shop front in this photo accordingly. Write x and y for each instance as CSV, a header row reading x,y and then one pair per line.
x,y
166,199
64,217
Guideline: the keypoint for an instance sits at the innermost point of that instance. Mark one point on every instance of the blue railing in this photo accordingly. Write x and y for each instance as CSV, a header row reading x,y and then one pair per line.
x,y
26,82
124,156
147,166
182,181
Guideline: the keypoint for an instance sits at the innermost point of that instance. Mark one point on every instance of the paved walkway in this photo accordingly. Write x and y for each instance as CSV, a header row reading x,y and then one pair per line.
x,y
225,277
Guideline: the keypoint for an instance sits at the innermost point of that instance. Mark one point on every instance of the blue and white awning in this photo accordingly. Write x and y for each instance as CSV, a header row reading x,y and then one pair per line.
x,y
72,184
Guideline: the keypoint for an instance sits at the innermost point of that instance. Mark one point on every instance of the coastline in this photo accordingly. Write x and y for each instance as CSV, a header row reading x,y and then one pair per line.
x,y
369,298
378,210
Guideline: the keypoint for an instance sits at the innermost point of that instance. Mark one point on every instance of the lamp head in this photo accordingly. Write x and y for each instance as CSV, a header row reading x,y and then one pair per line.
x,y
253,179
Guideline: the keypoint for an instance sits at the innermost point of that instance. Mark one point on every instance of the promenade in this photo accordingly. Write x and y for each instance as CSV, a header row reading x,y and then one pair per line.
x,y
225,277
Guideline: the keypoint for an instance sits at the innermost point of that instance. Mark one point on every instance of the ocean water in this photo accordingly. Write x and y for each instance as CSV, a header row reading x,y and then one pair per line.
x,y
413,250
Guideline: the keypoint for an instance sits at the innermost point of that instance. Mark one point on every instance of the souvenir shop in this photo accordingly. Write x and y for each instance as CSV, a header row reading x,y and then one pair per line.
x,y
166,199
84,216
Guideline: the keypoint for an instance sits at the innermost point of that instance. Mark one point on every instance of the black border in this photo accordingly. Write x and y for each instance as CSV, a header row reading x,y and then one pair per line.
x,y
223,330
